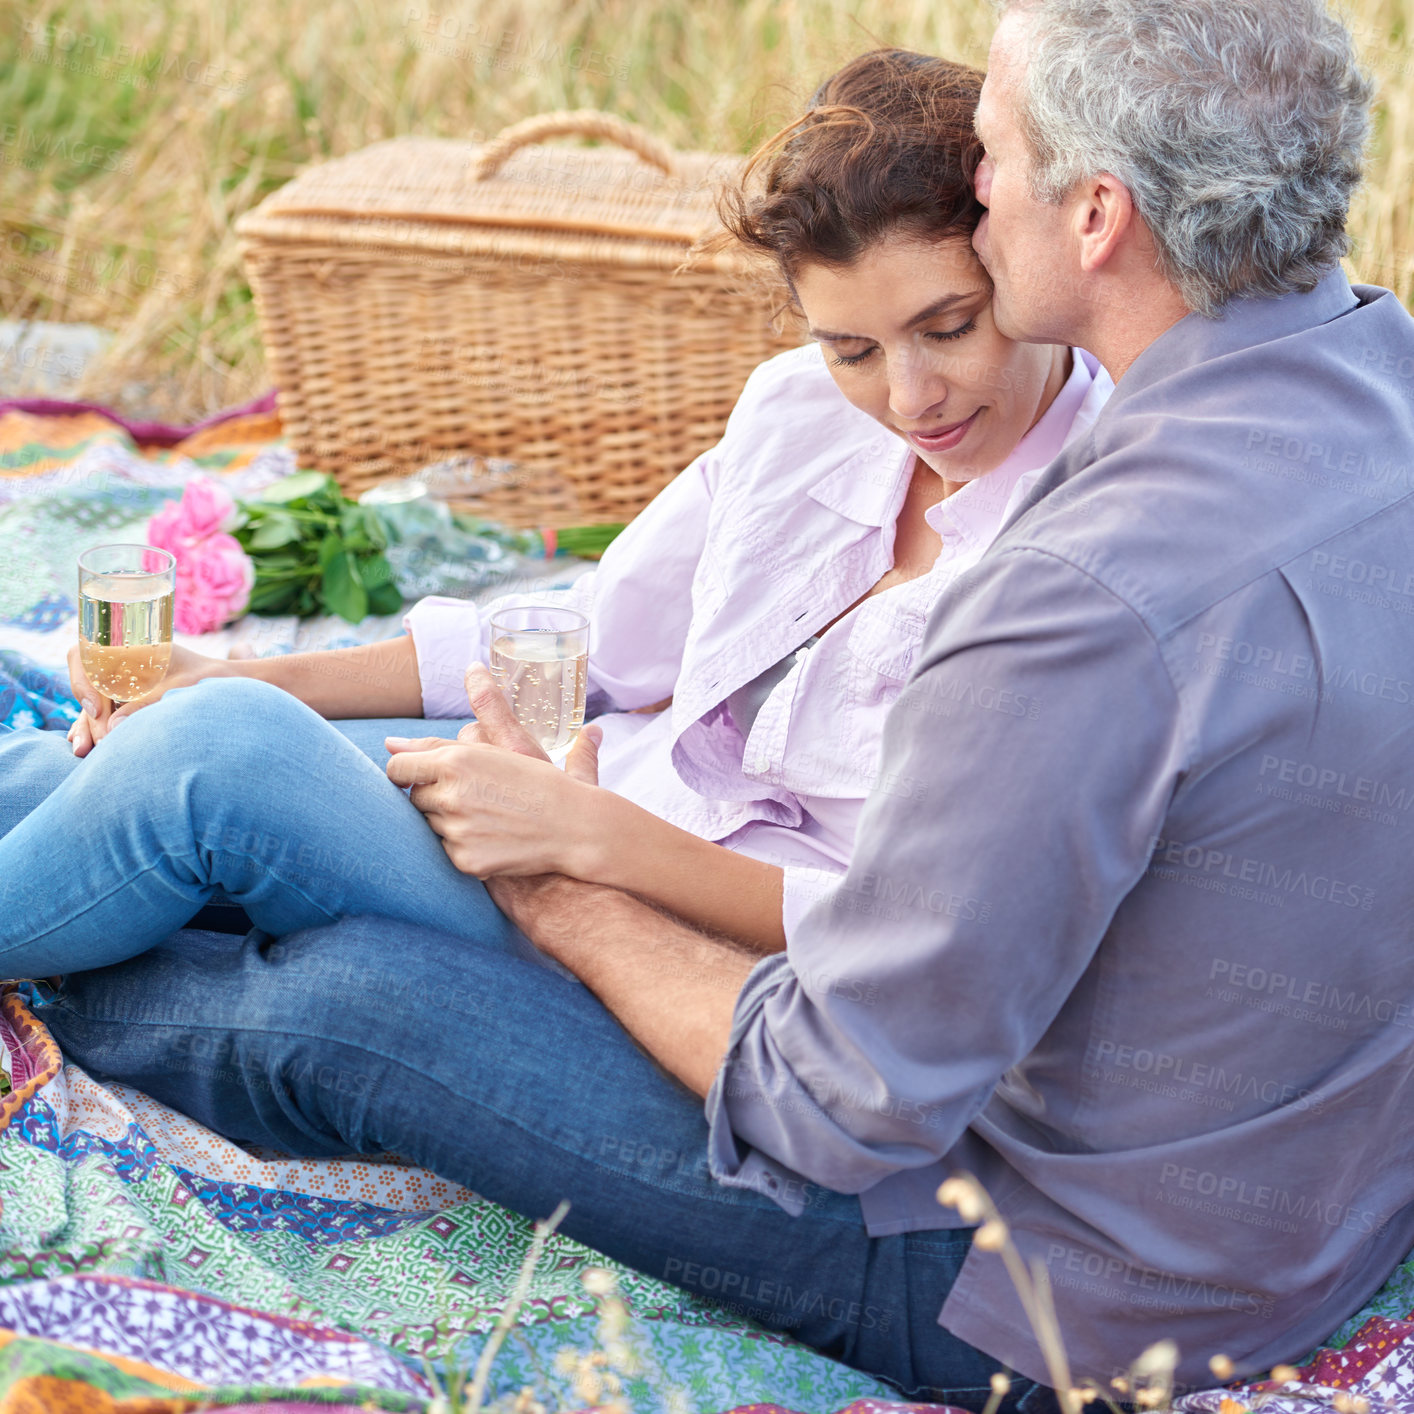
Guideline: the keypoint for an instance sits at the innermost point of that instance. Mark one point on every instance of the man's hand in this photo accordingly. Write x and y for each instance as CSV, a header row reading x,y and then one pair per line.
x,y
493,796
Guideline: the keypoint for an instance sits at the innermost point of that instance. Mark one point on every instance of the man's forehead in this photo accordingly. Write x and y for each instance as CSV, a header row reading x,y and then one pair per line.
x,y
1003,71
1008,52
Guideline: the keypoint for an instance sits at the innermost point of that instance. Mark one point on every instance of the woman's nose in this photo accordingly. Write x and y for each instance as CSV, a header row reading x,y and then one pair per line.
x,y
914,387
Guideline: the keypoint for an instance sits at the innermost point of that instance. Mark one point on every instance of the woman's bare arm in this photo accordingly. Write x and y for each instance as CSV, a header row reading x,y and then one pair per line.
x,y
708,885
372,680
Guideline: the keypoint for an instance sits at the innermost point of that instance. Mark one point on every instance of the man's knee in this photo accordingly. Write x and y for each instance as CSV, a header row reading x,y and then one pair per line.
x,y
387,977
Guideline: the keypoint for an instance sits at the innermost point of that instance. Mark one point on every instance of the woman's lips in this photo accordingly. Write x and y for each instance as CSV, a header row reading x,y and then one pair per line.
x,y
945,438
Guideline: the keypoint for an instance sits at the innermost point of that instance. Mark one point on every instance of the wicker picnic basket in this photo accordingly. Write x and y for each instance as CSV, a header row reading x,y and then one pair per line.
x,y
426,298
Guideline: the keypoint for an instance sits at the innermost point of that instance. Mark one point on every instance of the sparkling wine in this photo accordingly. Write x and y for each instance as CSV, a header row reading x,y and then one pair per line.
x,y
545,679
125,633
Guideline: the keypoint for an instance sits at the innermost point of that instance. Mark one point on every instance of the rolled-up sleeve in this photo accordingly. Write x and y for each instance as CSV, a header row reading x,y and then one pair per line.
x,y
638,601
1027,768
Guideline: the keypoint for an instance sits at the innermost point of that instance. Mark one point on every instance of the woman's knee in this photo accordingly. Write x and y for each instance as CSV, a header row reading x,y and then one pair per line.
x,y
241,719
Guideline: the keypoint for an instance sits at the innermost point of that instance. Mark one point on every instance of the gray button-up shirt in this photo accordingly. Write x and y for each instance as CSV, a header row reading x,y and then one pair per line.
x,y
1131,934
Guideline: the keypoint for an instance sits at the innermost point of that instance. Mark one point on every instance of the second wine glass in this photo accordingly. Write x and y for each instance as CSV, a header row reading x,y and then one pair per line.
x,y
540,660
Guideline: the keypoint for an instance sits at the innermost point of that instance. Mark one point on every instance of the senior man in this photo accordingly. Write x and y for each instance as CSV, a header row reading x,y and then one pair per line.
x,y
1139,958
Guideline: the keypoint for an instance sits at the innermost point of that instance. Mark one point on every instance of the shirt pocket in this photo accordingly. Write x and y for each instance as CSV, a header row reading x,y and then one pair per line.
x,y
883,642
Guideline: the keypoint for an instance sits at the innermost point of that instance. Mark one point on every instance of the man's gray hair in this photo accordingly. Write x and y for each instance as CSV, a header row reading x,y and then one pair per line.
x,y
1238,126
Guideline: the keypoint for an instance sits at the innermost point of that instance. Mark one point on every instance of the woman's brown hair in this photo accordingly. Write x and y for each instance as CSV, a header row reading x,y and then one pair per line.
x,y
886,145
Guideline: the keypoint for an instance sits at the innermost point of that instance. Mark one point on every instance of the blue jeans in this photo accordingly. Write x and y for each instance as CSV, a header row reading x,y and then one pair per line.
x,y
231,787
447,1043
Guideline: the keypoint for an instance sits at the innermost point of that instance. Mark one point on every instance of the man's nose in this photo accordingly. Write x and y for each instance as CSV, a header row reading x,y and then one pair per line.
x,y
982,182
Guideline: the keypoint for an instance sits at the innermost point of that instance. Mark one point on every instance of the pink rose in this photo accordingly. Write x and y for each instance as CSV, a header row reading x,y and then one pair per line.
x,y
205,508
214,575
163,529
214,581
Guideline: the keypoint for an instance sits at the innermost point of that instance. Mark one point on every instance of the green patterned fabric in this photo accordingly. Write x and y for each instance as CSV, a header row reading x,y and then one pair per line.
x,y
424,1285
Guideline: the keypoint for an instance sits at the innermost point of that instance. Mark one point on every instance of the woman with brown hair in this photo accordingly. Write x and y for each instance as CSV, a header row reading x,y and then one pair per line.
x,y
775,592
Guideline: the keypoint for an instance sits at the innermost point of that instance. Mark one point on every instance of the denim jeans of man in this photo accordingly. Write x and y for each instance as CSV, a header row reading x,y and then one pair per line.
x,y
448,1040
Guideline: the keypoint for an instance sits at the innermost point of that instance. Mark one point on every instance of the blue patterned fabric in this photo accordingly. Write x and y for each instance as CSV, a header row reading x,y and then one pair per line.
x,y
34,696
244,1208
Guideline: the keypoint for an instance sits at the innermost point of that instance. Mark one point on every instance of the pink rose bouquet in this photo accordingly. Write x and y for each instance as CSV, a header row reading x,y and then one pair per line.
x,y
300,546
214,574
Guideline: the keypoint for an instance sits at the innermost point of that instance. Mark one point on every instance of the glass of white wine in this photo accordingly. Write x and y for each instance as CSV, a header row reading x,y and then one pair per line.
x,y
540,660
125,618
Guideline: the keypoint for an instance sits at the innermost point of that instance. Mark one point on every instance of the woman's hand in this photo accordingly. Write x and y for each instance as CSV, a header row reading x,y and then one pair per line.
x,y
99,716
495,799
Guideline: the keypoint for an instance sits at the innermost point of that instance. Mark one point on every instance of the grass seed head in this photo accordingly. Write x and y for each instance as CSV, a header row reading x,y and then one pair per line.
x,y
599,1281
965,1194
991,1236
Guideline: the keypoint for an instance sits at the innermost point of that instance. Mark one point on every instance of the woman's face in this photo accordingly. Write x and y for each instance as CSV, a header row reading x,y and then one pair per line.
x,y
908,336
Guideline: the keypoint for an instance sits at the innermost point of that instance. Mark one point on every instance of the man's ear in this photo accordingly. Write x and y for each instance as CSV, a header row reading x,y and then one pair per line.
x,y
1104,219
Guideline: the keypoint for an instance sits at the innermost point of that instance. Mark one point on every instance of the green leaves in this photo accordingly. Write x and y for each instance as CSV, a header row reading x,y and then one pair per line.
x,y
587,541
274,531
316,551
302,487
342,588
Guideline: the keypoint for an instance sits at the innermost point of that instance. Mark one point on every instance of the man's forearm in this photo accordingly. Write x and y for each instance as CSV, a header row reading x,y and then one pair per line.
x,y
710,886
672,988
372,680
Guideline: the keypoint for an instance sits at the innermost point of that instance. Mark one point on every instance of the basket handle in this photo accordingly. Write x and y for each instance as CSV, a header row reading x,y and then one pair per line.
x,y
585,122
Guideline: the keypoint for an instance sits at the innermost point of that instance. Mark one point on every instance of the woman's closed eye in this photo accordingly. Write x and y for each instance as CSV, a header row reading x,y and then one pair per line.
x,y
942,336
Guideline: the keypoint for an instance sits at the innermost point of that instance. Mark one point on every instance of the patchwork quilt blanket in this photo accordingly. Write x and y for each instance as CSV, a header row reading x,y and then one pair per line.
x,y
149,1266
136,1245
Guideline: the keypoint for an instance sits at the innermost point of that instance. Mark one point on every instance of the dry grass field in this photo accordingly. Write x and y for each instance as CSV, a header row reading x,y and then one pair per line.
x,y
133,133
